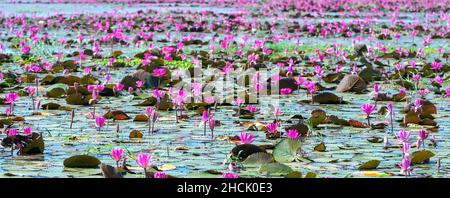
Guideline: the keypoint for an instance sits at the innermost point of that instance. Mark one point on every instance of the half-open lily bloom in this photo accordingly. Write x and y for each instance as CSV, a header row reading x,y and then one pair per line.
x,y
293,134
423,135
10,99
416,78
376,91
246,138
405,166
436,65
160,175
367,109
299,81
272,127
417,105
211,124
143,160
403,136
406,147
116,155
27,131
149,111
158,94
391,114
447,92
228,68
438,80
318,71
139,84
100,122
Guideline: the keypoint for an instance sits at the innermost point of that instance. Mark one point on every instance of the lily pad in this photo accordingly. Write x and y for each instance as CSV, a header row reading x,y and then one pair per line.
x,y
275,169
81,161
423,156
320,147
259,158
371,164
286,150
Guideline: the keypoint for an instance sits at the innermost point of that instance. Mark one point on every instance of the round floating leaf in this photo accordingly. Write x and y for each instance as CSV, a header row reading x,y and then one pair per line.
x,y
81,161
259,158
275,169
318,116
320,147
57,90
372,164
351,83
294,174
141,118
136,134
286,150
51,106
327,98
311,175
116,115
423,156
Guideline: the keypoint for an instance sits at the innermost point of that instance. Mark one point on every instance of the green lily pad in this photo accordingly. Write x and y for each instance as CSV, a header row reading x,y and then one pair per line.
x,y
311,175
320,147
419,157
57,90
294,174
286,150
275,169
81,161
371,164
259,158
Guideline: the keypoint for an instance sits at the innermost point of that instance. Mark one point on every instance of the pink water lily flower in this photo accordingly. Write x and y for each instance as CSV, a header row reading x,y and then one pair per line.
x,y
246,138
118,87
285,91
367,109
405,166
159,72
12,97
160,175
100,122
12,132
272,127
87,70
230,175
403,136
251,109
116,155
143,160
27,131
293,134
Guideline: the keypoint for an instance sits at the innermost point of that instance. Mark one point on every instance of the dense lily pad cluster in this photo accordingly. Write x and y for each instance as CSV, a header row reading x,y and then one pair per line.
x,y
293,89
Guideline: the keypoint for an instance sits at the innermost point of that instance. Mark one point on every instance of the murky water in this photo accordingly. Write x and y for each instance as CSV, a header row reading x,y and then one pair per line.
x,y
346,147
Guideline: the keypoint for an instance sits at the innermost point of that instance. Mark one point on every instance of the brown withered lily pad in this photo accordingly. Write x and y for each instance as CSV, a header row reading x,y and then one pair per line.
x,y
351,83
